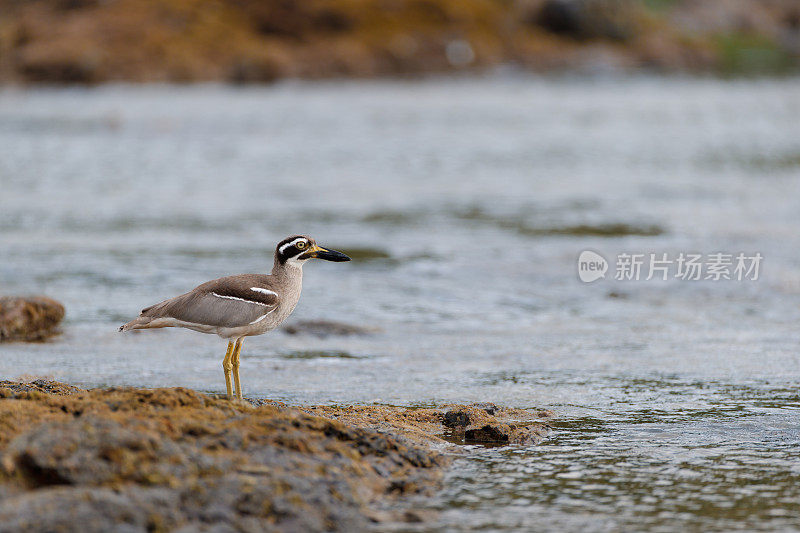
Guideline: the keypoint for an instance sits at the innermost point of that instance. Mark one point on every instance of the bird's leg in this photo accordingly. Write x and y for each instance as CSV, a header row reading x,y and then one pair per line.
x,y
236,353
226,367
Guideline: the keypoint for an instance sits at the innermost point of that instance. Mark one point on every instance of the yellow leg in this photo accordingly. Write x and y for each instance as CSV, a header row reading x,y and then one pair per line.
x,y
236,353
226,367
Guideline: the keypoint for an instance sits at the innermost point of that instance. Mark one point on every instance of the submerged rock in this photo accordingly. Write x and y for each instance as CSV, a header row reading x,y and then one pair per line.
x,y
325,328
29,318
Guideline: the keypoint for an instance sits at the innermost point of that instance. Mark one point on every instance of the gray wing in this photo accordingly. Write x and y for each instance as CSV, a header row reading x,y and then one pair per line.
x,y
226,302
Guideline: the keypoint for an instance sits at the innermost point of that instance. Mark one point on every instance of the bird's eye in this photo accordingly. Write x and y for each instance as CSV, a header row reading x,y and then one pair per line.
x,y
300,245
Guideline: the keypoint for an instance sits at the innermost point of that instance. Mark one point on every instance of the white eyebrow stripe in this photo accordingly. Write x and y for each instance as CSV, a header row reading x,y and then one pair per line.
x,y
239,299
288,244
264,291
262,317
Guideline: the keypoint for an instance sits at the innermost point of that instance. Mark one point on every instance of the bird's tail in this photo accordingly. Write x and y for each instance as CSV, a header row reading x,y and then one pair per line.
x,y
149,317
137,323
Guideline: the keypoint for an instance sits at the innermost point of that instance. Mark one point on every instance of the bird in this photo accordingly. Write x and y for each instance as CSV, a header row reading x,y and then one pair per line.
x,y
235,307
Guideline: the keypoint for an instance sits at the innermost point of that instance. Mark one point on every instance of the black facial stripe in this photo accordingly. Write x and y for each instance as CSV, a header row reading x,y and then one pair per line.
x,y
291,251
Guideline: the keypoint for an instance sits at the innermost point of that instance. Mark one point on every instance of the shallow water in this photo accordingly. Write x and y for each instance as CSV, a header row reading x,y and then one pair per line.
x,y
466,203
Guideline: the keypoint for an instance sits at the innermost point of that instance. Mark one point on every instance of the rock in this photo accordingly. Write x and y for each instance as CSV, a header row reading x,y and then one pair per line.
x,y
463,416
175,459
471,414
90,510
29,319
325,328
488,434
11,388
454,419
95,450
500,434
476,424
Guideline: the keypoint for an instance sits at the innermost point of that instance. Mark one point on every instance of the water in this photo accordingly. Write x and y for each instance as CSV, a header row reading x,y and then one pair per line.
x,y
467,202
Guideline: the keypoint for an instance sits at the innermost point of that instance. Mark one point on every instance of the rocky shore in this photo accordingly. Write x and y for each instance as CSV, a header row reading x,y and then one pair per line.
x,y
178,460
253,41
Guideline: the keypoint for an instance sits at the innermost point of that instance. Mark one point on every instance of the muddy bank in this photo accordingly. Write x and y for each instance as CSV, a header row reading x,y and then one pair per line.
x,y
175,459
246,41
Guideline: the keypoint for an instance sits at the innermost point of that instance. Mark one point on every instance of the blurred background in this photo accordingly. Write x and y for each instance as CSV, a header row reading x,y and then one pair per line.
x,y
242,41
464,153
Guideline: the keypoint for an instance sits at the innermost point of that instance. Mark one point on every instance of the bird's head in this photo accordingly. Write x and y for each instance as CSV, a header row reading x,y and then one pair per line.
x,y
298,249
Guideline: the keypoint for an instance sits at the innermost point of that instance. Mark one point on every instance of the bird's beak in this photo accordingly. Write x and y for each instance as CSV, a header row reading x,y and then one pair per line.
x,y
328,255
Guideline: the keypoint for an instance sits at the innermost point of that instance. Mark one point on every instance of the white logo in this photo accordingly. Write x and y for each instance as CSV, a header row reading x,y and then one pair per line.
x,y
591,266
